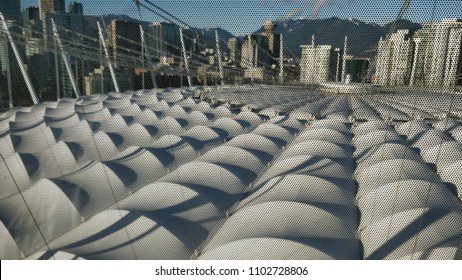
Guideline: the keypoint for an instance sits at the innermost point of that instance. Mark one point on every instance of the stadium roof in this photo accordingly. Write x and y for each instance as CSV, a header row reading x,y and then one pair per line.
x,y
271,173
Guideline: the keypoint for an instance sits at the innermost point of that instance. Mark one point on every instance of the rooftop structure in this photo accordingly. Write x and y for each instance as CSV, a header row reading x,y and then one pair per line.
x,y
438,54
319,64
157,175
394,59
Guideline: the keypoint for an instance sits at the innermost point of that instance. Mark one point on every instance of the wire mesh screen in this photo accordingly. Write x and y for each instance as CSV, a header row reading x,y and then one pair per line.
x,y
310,129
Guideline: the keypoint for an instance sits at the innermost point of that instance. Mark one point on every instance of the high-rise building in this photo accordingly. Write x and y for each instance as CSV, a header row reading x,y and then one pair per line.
x,y
356,68
11,9
269,28
75,8
9,69
394,59
124,39
255,53
234,50
31,14
32,30
51,6
75,23
274,40
320,64
438,54
164,40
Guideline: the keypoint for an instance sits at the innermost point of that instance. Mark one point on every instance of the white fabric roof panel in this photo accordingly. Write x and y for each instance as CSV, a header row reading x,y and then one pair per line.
x,y
324,134
411,231
52,221
387,112
295,180
403,202
393,170
8,248
384,152
361,111
265,248
335,236
304,189
451,174
404,195
311,110
126,176
371,126
14,175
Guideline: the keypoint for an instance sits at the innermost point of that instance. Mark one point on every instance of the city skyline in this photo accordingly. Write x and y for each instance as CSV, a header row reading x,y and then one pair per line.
x,y
254,13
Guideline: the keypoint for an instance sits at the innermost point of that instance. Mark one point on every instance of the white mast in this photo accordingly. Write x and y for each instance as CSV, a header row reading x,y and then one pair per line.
x,y
345,49
66,59
220,65
148,57
185,57
109,62
32,93
281,60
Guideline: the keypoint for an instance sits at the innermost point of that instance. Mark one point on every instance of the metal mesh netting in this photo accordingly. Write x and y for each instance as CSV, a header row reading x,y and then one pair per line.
x,y
306,130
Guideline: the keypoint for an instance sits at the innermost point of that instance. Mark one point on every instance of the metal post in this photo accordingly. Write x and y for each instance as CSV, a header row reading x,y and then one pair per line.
x,y
109,62
8,77
250,49
337,72
142,59
220,65
185,56
251,54
65,59
345,47
32,93
414,65
281,60
148,57
101,67
58,87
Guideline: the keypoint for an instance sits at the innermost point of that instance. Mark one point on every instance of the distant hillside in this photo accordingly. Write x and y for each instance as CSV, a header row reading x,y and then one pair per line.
x,y
207,35
362,37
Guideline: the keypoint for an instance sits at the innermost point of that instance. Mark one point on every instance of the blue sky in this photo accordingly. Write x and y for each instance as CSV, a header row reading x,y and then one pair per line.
x,y
241,17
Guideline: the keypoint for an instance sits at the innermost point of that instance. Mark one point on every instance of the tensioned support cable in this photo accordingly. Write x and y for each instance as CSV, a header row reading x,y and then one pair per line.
x,y
25,75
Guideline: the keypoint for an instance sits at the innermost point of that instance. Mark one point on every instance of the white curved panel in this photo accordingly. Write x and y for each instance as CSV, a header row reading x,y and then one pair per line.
x,y
310,165
289,220
324,134
229,179
393,170
411,231
301,188
400,196
14,176
265,249
118,234
318,148
8,248
52,212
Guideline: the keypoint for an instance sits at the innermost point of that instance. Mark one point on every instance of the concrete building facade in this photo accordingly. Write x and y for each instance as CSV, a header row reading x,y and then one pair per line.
x,y
394,59
124,39
319,64
438,54
164,40
356,68
51,6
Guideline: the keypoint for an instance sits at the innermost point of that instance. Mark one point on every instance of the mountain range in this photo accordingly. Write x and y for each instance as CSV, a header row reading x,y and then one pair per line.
x,y
362,37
